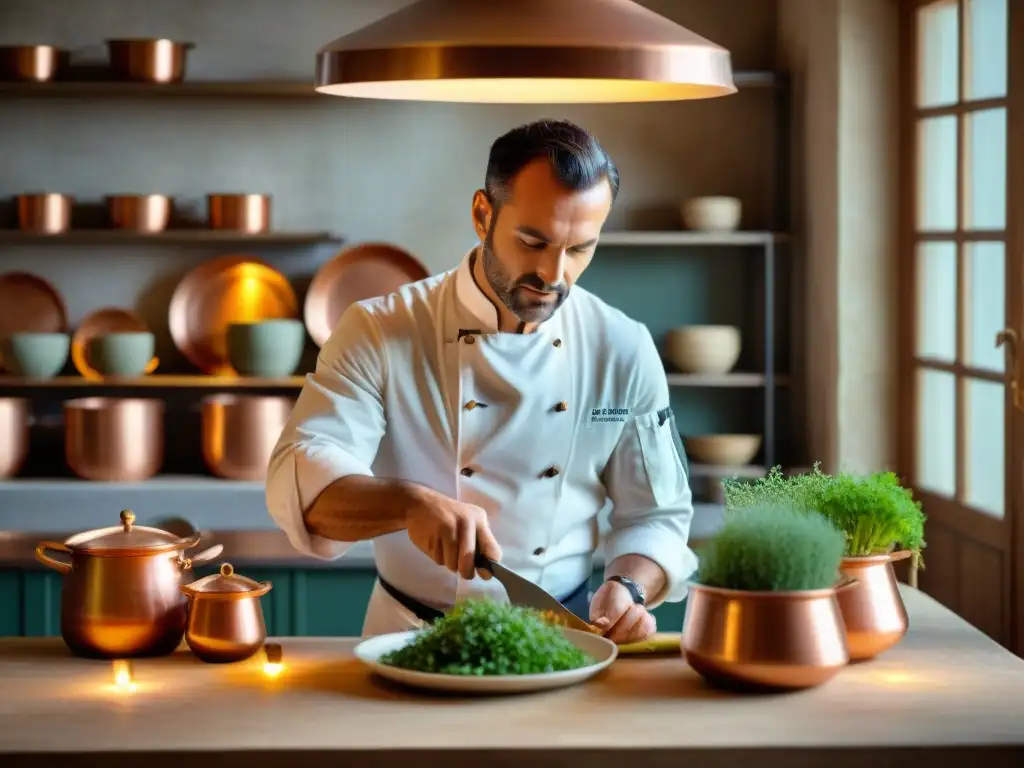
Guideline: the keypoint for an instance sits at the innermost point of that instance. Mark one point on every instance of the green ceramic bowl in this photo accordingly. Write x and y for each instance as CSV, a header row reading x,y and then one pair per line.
x,y
35,355
268,348
121,354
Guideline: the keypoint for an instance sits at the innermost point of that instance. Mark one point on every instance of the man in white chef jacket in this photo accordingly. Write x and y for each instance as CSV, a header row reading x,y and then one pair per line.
x,y
497,407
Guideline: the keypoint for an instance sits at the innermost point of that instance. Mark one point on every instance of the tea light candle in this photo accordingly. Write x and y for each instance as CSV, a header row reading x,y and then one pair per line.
x,y
273,664
124,677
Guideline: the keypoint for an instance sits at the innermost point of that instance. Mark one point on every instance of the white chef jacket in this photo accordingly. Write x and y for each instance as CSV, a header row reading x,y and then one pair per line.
x,y
539,429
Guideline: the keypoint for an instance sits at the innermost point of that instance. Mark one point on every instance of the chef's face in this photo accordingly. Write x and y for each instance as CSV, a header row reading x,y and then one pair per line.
x,y
539,240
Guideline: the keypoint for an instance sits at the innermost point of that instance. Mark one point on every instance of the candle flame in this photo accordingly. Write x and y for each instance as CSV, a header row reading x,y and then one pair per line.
x,y
272,668
123,677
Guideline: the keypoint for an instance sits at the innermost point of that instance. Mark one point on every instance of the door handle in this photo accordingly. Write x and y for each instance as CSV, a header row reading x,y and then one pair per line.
x,y
1008,338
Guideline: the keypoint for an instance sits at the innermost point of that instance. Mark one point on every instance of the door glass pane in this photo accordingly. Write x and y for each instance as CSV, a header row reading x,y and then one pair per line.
x,y
984,403
936,174
984,305
938,63
986,58
936,301
985,169
936,431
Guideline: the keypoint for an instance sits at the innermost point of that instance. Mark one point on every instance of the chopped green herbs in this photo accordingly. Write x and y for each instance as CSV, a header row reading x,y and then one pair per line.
x,y
482,637
776,549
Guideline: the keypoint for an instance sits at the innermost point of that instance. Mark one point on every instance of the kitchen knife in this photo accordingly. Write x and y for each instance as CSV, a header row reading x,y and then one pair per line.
x,y
526,593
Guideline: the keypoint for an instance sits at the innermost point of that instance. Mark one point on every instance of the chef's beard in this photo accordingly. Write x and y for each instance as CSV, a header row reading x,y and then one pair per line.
x,y
521,303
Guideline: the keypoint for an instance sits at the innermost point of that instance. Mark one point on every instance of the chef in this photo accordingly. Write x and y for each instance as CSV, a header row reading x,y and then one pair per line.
x,y
498,408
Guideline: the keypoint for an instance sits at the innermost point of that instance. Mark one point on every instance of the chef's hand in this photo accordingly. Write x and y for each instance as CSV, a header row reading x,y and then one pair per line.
x,y
451,532
613,611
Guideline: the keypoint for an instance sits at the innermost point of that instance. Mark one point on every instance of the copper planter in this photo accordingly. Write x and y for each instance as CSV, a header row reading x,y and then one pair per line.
x,y
764,640
139,213
150,61
239,213
225,618
114,439
872,609
13,435
31,63
46,213
120,595
239,433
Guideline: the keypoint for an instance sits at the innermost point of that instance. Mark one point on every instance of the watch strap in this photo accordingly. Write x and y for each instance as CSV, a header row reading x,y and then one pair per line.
x,y
635,590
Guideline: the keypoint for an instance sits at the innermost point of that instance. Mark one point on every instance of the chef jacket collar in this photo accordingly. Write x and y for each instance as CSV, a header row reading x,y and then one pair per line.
x,y
483,313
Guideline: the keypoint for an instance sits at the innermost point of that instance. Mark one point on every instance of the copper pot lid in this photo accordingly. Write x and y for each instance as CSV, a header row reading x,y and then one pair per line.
x,y
361,272
100,323
29,304
226,583
128,539
229,289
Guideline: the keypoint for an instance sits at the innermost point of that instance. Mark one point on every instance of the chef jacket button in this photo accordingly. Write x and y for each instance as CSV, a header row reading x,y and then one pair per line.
x,y
562,407
469,339
468,471
539,551
552,471
557,343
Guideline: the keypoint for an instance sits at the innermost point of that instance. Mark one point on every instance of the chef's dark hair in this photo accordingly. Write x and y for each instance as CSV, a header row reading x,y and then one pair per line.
x,y
576,157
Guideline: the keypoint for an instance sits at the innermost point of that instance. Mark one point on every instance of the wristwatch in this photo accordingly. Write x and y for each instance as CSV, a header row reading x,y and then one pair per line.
x,y
639,596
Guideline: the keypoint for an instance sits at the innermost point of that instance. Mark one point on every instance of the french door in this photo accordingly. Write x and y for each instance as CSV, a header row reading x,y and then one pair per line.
x,y
963,147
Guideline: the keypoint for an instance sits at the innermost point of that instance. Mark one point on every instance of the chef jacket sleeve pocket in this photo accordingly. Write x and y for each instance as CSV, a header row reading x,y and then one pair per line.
x,y
664,459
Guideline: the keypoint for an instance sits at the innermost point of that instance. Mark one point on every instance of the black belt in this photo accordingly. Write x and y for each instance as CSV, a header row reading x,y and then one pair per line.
x,y
429,615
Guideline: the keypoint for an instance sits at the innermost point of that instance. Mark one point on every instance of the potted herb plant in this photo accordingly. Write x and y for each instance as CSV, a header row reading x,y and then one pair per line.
x,y
880,522
763,612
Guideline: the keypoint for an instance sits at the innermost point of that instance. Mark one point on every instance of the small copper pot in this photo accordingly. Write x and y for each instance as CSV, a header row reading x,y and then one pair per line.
x,y
47,213
240,432
872,609
139,213
764,640
120,595
114,438
150,61
31,63
239,213
225,618
13,435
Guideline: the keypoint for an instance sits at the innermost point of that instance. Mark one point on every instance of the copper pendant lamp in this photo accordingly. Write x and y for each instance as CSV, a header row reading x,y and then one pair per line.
x,y
525,52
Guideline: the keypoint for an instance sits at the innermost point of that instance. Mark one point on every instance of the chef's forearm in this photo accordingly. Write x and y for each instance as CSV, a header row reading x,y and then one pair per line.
x,y
357,508
644,571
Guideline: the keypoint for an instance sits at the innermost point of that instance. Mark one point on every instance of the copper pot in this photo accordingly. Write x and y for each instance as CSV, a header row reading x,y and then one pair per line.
x,y
13,435
764,640
872,609
239,213
225,618
31,63
108,438
47,213
150,61
139,213
121,592
240,432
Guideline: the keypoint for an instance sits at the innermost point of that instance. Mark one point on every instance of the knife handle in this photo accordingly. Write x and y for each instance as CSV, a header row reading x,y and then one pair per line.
x,y
482,563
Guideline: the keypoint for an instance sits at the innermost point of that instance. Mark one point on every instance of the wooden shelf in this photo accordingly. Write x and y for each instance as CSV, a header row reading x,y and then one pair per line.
x,y
167,237
157,381
720,472
722,380
686,237
270,89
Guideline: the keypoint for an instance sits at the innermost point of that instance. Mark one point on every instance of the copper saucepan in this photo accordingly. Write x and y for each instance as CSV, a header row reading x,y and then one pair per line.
x,y
121,591
114,438
225,618
239,433
139,213
47,213
31,63
149,60
239,212
13,435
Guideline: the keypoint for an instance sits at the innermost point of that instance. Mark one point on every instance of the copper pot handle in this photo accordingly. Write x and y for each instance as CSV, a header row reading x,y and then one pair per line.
x,y
845,583
902,554
186,563
58,565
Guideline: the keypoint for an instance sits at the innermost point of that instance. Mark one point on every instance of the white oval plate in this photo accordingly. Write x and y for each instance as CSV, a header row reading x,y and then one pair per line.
x,y
602,650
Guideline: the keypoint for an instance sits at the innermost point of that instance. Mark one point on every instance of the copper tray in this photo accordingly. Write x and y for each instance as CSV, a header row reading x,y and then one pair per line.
x,y
357,273
229,289
29,304
99,323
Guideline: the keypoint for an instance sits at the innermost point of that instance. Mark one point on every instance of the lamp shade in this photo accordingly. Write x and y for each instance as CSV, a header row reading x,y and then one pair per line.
x,y
526,52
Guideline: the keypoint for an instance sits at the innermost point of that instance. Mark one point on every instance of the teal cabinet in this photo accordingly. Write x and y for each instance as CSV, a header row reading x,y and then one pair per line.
x,y
304,602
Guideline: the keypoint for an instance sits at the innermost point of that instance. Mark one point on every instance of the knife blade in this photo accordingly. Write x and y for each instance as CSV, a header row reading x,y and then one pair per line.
x,y
524,592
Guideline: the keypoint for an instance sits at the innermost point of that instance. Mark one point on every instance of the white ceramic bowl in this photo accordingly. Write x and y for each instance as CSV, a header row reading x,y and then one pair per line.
x,y
722,450
712,214
703,348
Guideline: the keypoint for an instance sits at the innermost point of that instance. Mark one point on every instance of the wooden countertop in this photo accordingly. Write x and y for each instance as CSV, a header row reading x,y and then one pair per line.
x,y
947,692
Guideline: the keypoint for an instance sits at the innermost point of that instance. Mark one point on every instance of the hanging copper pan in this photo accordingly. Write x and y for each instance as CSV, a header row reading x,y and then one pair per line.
x,y
99,323
357,273
229,289
29,304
